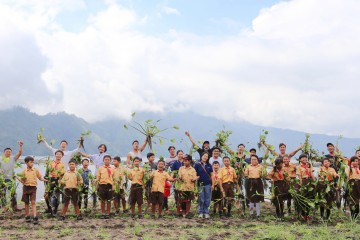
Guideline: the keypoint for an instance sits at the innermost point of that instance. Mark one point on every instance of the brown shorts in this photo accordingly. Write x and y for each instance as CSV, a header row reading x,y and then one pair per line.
x,y
186,195
216,195
136,194
157,198
29,194
105,192
71,194
229,190
255,190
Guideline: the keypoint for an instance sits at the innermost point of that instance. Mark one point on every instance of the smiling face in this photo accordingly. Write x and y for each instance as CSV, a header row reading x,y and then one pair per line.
x,y
172,152
355,163
226,162
216,153
135,146
326,163
101,149
241,149
331,148
160,165
282,149
204,157
72,166
254,161
180,156
7,153
303,160
30,164
286,160
58,156
107,161
63,146
116,163
85,164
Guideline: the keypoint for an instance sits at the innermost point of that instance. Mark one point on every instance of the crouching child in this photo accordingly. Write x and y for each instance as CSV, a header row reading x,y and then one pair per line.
x,y
72,182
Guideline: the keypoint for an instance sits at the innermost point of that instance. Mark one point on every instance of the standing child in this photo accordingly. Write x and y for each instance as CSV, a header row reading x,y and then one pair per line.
x,y
84,193
254,187
149,167
72,182
280,187
104,178
327,177
137,183
353,174
227,179
159,177
118,187
29,181
166,196
289,170
216,196
188,177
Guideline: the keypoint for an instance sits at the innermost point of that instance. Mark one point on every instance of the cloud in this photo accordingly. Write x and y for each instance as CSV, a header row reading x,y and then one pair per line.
x,y
170,11
296,67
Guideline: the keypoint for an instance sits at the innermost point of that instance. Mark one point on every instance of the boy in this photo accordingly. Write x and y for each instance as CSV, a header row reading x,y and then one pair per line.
x,y
85,172
137,183
227,178
216,193
149,167
57,170
104,178
28,179
187,176
159,177
118,187
72,182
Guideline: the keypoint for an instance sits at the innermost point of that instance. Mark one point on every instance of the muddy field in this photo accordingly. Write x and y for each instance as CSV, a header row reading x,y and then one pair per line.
x,y
13,226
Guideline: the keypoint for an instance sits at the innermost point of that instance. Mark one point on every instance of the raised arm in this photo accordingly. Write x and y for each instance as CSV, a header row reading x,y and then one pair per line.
x,y
51,149
187,133
143,146
270,149
83,154
291,154
18,154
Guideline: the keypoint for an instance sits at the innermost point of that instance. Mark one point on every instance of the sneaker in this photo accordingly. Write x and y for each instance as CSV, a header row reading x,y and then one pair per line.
x,y
126,211
27,219
160,216
102,216
117,212
140,216
48,210
133,216
207,216
107,216
79,217
61,218
152,216
201,215
35,220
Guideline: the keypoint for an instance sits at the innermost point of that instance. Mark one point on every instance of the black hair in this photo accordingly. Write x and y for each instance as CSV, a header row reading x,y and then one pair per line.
x,y
227,157
72,161
106,156
241,144
177,152
7,149
85,159
208,158
64,142
282,144
117,158
252,149
137,158
329,144
149,155
216,148
322,161
216,162
60,152
161,161
135,142
358,150
28,159
352,159
103,146
302,156
277,162
171,148
254,156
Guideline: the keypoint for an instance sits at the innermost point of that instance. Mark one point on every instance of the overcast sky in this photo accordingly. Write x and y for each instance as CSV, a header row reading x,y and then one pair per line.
x,y
288,64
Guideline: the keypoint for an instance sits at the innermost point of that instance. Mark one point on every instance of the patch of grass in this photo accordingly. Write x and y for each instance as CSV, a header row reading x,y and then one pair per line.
x,y
65,232
103,234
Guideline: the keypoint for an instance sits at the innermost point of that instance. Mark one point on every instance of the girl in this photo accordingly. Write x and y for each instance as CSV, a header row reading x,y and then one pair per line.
x,y
254,187
327,175
290,172
353,187
281,187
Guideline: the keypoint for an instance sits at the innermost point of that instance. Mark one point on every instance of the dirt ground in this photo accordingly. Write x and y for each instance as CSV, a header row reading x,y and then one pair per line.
x,y
239,226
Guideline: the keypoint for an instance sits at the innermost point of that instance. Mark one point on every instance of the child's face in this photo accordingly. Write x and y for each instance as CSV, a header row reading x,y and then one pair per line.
x,y
58,156
254,161
137,163
286,160
186,162
226,162
72,166
355,163
326,163
85,164
151,159
216,166
161,165
30,164
116,163
279,166
303,160
107,161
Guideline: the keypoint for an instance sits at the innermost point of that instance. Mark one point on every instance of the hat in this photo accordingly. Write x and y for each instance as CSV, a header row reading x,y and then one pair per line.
x,y
188,157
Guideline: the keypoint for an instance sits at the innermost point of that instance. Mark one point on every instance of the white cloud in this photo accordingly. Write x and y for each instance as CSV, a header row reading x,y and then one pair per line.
x,y
170,11
296,67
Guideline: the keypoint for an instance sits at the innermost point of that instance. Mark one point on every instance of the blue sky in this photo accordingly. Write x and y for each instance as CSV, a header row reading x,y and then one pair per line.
x,y
203,17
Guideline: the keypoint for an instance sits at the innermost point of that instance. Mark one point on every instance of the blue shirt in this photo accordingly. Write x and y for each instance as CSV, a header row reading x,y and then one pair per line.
x,y
176,166
85,176
205,176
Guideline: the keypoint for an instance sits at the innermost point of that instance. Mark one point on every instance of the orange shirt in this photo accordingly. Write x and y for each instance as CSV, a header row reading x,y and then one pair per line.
x,y
72,179
277,175
105,175
354,174
216,177
187,175
119,176
327,173
136,176
30,175
253,171
304,171
58,169
290,170
227,174
159,179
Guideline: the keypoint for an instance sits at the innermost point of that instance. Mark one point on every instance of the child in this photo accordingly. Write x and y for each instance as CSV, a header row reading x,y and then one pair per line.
x,y
118,187
353,174
57,170
166,196
188,177
216,192
306,175
281,187
227,179
72,182
149,167
85,172
327,176
157,190
28,179
289,170
104,178
254,187
137,183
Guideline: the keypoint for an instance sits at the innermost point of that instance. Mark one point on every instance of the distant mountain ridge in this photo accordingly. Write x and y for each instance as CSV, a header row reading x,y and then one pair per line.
x,y
19,123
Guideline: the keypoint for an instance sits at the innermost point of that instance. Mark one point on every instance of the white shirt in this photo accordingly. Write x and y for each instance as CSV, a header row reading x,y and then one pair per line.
x,y
67,154
219,159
